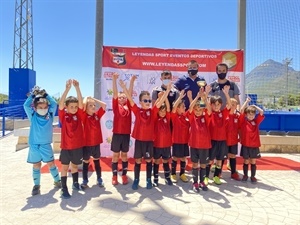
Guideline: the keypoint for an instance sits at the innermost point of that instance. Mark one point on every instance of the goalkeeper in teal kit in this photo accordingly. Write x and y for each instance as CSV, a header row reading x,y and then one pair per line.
x,y
40,109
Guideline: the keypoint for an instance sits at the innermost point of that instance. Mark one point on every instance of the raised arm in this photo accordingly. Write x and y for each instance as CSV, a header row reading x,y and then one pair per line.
x,y
260,110
132,79
192,104
164,96
27,106
53,103
126,92
176,103
226,93
245,104
115,76
102,104
79,96
167,104
64,95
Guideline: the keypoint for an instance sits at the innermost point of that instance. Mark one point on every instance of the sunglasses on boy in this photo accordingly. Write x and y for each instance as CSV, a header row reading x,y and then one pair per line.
x,y
145,100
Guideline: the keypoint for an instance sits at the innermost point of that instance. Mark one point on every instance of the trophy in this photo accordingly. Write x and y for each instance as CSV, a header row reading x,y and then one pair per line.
x,y
201,83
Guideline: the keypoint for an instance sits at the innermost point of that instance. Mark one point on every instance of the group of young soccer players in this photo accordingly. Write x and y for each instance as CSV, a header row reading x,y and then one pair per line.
x,y
164,132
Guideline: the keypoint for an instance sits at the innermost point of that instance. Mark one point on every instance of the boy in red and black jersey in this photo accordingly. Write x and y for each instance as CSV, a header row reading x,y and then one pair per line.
x,y
72,136
218,132
180,138
93,138
143,132
162,141
199,141
121,129
250,139
233,137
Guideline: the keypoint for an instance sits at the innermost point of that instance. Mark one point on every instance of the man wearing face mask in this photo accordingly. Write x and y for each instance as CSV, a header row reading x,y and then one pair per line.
x,y
189,82
218,85
166,78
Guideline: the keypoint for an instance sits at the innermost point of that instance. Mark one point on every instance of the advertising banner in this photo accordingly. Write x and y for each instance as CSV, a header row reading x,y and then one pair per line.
x,y
148,63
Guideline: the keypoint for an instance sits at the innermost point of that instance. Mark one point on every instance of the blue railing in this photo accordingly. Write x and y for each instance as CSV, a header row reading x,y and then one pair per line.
x,y
281,121
11,113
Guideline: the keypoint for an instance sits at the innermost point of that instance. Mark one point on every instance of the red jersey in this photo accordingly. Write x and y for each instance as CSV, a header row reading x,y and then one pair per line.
x,y
199,132
72,136
143,129
181,126
92,128
122,118
162,132
232,129
250,131
218,125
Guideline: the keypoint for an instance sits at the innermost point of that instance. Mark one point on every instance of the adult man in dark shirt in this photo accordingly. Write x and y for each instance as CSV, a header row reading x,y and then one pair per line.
x,y
189,82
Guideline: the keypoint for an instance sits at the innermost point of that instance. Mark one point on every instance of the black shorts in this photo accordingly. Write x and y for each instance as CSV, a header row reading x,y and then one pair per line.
x,y
164,153
248,152
218,151
120,142
200,155
180,150
74,156
143,149
233,149
93,151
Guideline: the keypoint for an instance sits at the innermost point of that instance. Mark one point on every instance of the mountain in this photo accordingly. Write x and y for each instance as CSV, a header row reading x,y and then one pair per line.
x,y
270,79
3,97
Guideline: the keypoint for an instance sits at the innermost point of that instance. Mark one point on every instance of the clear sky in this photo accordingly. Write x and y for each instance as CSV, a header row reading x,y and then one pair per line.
x,y
64,33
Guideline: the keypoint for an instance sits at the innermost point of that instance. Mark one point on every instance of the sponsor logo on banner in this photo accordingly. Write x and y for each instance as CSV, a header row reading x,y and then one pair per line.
x,y
130,142
118,58
127,76
108,140
234,78
109,94
152,80
108,75
109,124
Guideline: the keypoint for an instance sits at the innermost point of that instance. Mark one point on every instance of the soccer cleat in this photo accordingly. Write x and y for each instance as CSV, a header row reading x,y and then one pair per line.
x,y
155,182
196,188
183,178
174,178
114,180
76,186
149,183
124,179
57,184
245,178
100,182
206,179
235,176
36,190
65,193
253,180
168,181
203,186
217,180
135,184
84,184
